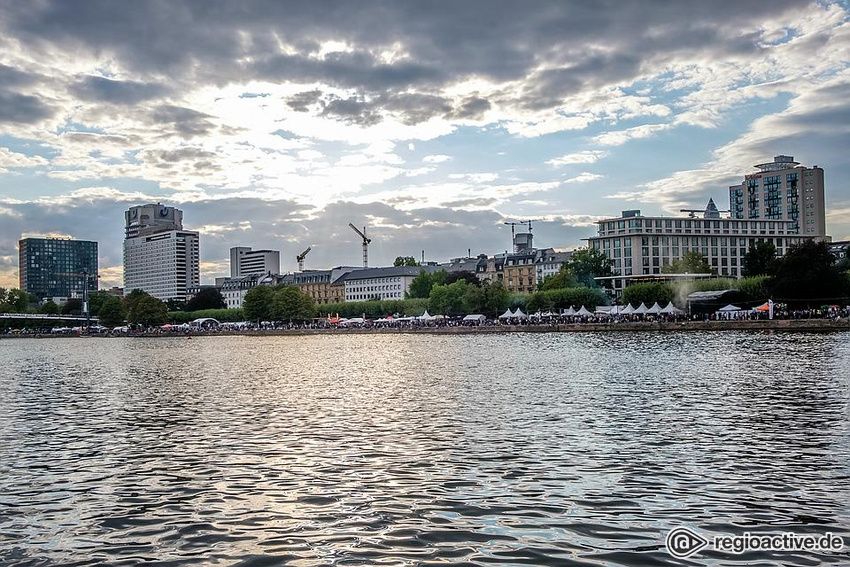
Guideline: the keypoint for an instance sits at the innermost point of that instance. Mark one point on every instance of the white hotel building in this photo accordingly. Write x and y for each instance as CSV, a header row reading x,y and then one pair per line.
x,y
160,257
379,283
643,246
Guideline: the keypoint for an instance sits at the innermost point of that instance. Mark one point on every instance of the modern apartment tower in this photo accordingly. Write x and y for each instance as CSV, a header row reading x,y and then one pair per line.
x,y
159,256
57,267
782,190
247,262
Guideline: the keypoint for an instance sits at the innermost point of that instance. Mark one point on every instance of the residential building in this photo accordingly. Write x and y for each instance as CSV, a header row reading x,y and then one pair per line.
x,y
380,283
520,272
55,267
638,245
160,257
548,263
492,269
233,290
245,262
323,286
782,190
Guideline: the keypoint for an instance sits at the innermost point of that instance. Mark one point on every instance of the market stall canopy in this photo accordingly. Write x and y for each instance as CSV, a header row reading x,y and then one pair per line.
x,y
627,310
654,310
671,309
641,309
519,314
506,315
583,311
426,316
570,312
729,309
477,317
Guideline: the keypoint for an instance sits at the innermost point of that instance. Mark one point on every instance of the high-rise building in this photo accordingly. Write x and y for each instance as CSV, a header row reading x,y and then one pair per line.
x,y
640,246
159,256
55,267
782,190
247,262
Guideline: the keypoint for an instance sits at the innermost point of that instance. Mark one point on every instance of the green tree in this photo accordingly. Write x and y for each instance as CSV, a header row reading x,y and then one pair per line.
x,y
421,285
758,259
73,306
463,275
147,311
111,312
49,308
564,278
207,298
589,263
96,299
757,288
257,305
134,297
173,304
18,300
691,262
448,299
648,293
807,274
405,261
496,299
290,303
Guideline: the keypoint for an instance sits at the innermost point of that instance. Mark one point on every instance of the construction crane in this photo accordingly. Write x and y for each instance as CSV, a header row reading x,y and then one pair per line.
x,y
366,242
514,224
300,258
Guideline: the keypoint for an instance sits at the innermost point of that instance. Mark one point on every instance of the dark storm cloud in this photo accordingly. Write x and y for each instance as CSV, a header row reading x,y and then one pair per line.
x,y
302,102
185,122
221,41
101,89
11,77
353,110
23,109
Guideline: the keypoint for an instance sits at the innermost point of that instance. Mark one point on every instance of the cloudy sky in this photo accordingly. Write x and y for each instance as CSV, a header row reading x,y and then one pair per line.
x,y
275,124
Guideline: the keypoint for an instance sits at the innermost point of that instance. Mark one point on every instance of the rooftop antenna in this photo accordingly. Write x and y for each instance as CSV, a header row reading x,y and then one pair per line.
x,y
366,242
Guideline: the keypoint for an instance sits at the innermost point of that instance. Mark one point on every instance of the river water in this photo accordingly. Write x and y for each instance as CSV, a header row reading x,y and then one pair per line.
x,y
525,449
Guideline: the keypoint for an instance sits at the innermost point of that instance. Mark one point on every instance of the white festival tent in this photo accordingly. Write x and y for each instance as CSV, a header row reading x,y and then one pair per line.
x,y
671,309
475,318
570,312
506,315
729,309
583,311
654,310
641,309
425,316
627,310
519,314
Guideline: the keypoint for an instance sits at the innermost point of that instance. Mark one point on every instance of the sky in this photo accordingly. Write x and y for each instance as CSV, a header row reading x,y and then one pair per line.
x,y
275,124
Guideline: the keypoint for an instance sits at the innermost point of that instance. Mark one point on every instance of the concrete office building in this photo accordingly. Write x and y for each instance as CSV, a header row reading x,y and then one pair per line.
x,y
782,190
639,246
380,283
53,267
245,261
160,257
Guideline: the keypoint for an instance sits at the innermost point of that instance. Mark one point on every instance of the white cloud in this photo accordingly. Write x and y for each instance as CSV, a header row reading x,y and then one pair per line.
x,y
586,156
436,159
620,137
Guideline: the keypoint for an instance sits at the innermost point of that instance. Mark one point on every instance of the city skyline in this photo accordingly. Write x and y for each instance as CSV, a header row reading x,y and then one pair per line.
x,y
275,129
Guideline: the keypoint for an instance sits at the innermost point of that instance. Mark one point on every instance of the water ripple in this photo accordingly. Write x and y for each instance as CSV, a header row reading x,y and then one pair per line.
x,y
574,449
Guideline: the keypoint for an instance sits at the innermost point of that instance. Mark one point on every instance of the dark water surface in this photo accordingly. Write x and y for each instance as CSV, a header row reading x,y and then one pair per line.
x,y
552,449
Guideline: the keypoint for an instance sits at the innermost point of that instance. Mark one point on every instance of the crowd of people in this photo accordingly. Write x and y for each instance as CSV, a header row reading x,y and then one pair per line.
x,y
780,312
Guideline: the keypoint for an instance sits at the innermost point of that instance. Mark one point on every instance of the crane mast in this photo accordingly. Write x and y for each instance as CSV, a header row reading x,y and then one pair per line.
x,y
366,242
